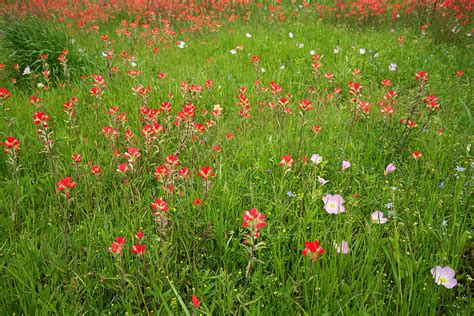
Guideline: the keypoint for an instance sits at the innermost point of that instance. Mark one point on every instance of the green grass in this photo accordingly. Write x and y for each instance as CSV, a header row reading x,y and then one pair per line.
x,y
387,270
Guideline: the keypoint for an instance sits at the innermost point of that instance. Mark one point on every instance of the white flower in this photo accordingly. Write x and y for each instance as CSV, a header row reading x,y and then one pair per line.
x,y
282,67
290,35
248,35
322,181
336,50
181,44
300,45
362,51
312,52
27,70
376,55
233,51
392,67
133,64
104,54
40,85
316,159
263,69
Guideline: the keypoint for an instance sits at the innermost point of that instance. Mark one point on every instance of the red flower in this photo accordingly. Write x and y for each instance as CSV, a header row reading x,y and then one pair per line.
x,y
159,205
172,160
312,247
11,143
132,154
64,184
139,235
4,94
95,91
195,301
416,155
76,158
286,161
316,129
122,167
197,201
253,220
206,172
305,105
138,249
116,246
161,172
386,83
421,76
41,119
184,172
95,170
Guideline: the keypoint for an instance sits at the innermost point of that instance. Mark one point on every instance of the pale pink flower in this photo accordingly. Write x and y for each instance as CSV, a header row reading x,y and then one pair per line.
x,y
333,203
343,247
444,276
377,218
322,181
389,169
345,164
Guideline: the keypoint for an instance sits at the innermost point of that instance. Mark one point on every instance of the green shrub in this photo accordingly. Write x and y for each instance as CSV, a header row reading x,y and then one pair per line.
x,y
24,41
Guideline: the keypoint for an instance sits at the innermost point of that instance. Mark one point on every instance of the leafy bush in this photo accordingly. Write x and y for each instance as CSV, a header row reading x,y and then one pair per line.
x,y
23,42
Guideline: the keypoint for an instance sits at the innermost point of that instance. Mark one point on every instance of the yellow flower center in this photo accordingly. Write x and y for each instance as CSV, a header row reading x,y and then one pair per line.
x,y
332,205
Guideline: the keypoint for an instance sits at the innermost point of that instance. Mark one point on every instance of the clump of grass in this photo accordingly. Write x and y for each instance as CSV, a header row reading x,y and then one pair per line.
x,y
24,42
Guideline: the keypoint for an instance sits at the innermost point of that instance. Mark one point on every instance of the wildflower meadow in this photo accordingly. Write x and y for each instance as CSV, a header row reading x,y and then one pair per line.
x,y
222,157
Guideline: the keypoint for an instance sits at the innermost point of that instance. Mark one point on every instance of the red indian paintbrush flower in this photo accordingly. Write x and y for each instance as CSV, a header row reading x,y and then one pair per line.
x,y
138,249
11,143
172,160
4,94
286,161
159,205
313,249
253,221
206,172
116,247
161,172
65,184
195,301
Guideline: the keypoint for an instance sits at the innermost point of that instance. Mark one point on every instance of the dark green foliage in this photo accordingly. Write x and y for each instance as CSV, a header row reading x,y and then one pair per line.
x,y
24,41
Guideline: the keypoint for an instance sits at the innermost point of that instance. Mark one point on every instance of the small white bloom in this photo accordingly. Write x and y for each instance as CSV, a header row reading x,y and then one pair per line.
x,y
362,51
133,64
392,67
290,35
104,54
40,85
376,55
322,181
312,52
282,67
336,50
316,159
263,69
233,51
181,44
300,45
27,71
248,35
